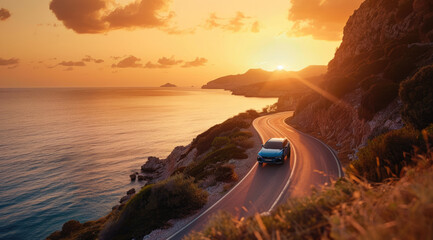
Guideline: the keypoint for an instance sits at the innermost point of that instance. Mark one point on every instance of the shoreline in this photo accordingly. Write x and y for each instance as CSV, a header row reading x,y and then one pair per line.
x,y
155,170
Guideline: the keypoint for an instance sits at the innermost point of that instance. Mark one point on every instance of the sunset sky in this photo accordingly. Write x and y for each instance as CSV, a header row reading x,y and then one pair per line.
x,y
107,43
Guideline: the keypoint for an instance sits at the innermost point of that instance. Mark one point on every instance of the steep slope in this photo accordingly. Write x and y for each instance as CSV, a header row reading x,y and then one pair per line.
x,y
385,41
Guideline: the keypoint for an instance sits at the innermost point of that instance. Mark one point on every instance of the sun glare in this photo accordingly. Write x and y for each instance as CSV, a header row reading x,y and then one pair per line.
x,y
280,67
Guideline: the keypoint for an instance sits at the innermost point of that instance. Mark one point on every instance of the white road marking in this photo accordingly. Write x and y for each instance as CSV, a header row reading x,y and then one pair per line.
x,y
255,165
291,173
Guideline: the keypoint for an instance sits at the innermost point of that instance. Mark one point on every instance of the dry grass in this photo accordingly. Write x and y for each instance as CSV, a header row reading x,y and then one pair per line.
x,y
349,209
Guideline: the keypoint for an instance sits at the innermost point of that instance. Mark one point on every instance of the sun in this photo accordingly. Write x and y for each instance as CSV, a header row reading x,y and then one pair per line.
x,y
280,67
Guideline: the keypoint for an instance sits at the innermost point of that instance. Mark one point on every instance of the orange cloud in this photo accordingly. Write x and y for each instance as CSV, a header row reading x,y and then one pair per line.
x,y
129,62
90,59
9,62
169,61
321,19
195,63
72,64
4,14
97,16
234,24
164,62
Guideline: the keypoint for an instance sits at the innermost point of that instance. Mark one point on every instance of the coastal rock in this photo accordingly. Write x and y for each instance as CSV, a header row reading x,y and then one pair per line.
x,y
124,199
70,226
130,191
152,165
133,177
142,177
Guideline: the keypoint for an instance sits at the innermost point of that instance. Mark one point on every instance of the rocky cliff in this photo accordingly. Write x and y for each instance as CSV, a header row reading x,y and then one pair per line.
x,y
385,42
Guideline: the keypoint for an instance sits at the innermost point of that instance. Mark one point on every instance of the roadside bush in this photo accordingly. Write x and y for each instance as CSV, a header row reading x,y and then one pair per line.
x,y
378,97
219,142
299,218
203,142
154,205
386,155
197,168
417,96
242,139
226,173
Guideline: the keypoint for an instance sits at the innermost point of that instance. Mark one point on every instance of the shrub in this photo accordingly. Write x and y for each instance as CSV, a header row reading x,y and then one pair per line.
x,y
242,140
203,142
197,169
226,173
303,218
417,96
377,98
154,205
219,142
386,155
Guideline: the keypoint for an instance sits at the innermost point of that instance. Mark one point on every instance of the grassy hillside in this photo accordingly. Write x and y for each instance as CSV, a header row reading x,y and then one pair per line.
x,y
352,208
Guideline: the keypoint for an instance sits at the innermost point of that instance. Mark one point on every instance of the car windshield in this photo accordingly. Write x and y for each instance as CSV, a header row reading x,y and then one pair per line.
x,y
273,145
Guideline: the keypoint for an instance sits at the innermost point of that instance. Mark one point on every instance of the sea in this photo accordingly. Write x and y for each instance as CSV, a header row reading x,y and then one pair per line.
x,y
67,153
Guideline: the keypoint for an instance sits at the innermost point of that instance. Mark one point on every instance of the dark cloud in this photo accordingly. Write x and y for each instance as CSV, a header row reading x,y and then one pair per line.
x,y
90,59
164,62
4,14
235,24
97,16
195,63
322,19
128,62
169,61
9,62
72,64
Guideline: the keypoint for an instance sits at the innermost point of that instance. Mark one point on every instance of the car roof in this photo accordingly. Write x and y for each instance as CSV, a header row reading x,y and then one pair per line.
x,y
276,140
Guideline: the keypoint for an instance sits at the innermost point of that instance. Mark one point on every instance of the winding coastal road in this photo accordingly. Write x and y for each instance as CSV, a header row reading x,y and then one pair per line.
x,y
312,163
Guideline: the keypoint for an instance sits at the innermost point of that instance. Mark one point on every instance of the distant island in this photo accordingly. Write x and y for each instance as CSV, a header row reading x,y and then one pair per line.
x,y
168,85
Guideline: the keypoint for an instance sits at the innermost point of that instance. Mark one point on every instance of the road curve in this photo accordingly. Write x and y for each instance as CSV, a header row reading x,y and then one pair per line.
x,y
312,163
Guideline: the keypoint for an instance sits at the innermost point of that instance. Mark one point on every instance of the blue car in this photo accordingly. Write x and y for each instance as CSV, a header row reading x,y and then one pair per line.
x,y
275,150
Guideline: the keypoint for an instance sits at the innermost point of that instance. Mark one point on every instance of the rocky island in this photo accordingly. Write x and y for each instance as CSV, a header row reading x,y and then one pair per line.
x,y
168,85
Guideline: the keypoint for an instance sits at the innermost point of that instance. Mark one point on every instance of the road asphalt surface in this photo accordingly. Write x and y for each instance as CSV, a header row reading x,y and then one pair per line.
x,y
311,163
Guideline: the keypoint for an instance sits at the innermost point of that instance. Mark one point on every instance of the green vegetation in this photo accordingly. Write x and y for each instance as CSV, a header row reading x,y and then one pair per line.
x,y
75,230
377,98
203,142
154,205
417,96
349,209
304,218
218,145
386,155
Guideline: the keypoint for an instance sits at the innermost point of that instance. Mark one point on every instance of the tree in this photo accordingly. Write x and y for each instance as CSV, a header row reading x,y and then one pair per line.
x,y
417,96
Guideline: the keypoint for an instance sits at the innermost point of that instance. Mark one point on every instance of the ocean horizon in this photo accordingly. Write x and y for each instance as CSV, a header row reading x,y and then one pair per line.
x,y
66,153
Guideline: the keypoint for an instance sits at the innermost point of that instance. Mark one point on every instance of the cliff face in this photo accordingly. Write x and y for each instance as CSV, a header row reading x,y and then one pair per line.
x,y
385,42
